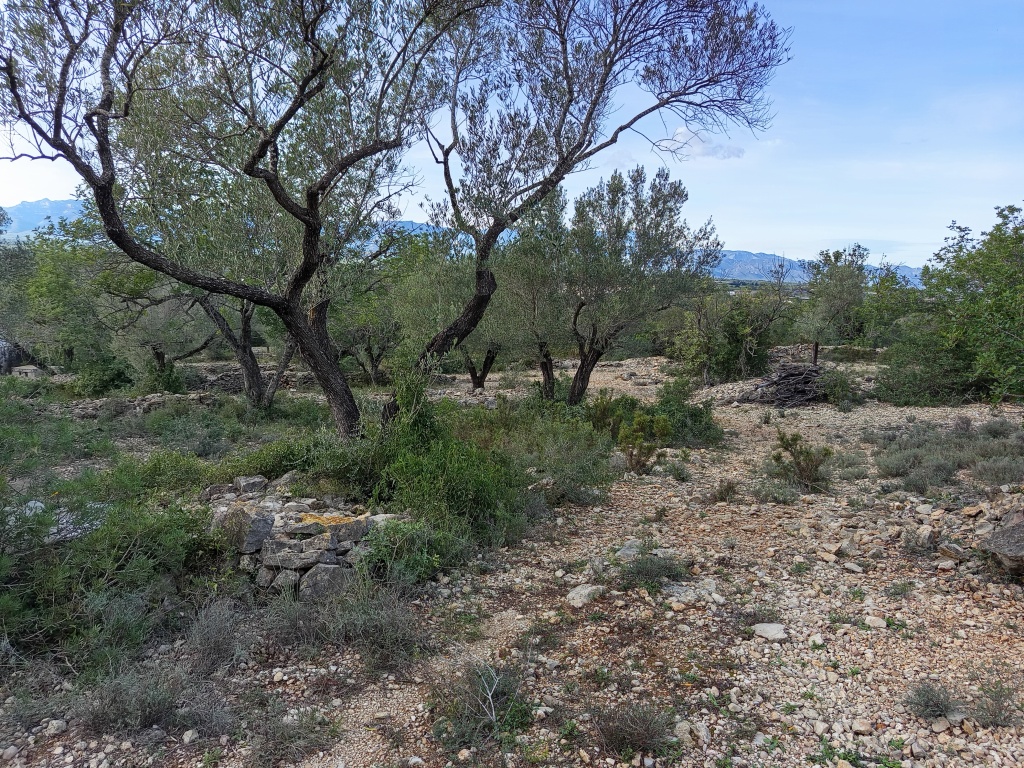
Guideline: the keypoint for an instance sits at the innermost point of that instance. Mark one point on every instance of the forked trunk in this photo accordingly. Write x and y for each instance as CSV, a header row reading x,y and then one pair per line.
x,y
479,377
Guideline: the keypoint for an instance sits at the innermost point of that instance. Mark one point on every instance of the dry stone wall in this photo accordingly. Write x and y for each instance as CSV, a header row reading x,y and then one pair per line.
x,y
306,546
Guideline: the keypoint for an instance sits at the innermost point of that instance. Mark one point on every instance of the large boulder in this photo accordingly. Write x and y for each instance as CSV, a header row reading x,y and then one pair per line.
x,y
1006,544
322,581
250,484
245,530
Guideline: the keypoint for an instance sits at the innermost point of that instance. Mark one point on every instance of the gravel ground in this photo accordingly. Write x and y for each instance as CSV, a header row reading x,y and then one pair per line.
x,y
863,619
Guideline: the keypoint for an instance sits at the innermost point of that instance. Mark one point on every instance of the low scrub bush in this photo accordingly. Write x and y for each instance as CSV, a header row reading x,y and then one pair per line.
x,y
277,736
129,701
930,700
926,367
478,704
566,457
928,455
630,730
217,636
798,462
380,621
996,704
651,571
97,594
679,423
772,490
99,377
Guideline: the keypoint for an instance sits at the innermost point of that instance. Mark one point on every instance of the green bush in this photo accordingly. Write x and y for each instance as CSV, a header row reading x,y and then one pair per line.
x,y
167,379
98,595
927,367
480,703
565,457
679,422
799,463
104,375
839,389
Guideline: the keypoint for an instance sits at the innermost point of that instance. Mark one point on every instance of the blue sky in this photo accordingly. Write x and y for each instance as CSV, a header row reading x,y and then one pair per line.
x,y
892,119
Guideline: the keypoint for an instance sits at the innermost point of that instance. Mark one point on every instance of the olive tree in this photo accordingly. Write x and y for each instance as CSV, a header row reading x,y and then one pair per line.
x,y
836,285
304,106
538,89
631,256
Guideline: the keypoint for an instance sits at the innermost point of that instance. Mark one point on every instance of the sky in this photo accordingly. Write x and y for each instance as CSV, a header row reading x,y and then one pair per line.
x,y
892,119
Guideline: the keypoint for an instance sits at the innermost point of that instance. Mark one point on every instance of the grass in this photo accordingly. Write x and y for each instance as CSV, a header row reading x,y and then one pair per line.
x,y
633,729
651,571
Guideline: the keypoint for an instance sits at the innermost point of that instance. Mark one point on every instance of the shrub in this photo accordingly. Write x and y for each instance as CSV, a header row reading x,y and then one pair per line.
x,y
379,621
799,463
288,622
930,700
927,367
774,491
639,441
478,703
726,490
98,377
97,595
275,736
997,703
129,701
566,457
678,471
631,729
413,551
1001,470
216,637
839,389
691,425
649,571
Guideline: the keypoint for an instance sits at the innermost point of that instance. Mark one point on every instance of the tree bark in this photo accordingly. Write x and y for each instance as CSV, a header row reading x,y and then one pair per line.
x,y
449,338
479,377
589,358
814,353
547,372
320,356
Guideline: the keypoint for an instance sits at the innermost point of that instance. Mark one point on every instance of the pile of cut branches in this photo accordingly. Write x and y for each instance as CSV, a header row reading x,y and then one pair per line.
x,y
788,386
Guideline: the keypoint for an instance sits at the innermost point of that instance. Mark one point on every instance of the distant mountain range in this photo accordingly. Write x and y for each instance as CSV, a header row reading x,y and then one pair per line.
x,y
27,217
735,265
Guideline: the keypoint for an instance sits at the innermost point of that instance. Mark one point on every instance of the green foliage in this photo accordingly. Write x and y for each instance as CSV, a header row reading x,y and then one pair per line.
x,y
166,379
839,389
672,421
564,455
96,595
981,285
639,441
926,455
103,375
930,700
927,366
649,571
836,287
728,335
799,463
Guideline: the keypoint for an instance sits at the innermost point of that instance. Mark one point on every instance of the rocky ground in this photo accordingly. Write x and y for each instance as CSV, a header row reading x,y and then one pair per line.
x,y
793,637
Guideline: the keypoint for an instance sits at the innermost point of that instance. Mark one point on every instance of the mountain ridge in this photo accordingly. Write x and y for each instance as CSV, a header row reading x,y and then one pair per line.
x,y
26,217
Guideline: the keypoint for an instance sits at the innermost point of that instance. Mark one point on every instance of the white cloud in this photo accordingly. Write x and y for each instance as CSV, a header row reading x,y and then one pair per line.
x,y
694,145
